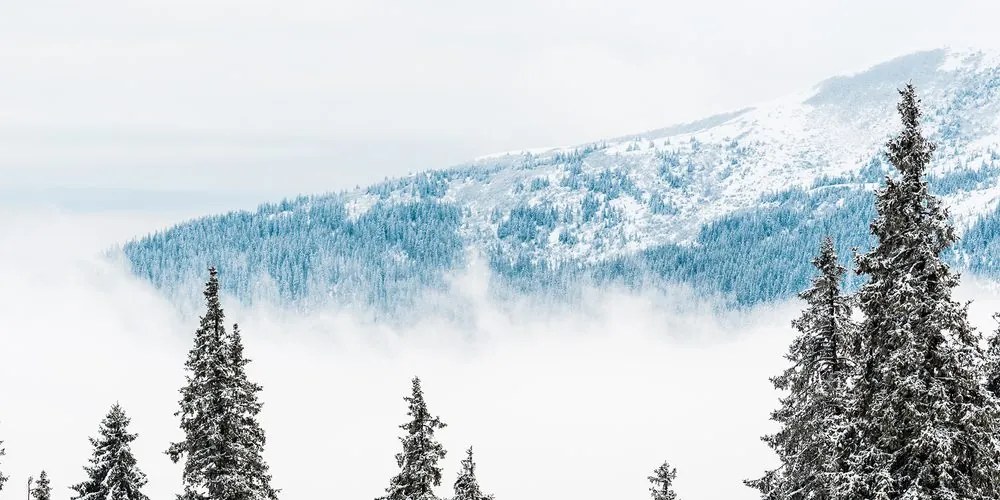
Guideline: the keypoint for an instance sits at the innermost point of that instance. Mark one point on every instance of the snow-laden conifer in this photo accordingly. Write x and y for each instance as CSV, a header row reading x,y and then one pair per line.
x,y
208,458
992,365
113,473
812,413
467,486
43,488
418,462
252,480
3,478
222,439
662,482
922,424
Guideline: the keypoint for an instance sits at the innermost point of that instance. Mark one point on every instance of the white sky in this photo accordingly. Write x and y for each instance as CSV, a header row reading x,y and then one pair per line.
x,y
266,98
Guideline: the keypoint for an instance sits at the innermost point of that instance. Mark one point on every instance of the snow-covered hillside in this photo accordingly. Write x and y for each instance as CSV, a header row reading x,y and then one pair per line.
x,y
733,205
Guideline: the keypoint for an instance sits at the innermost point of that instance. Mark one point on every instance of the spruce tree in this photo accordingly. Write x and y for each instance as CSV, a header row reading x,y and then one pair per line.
x,y
3,478
207,454
662,482
992,366
218,409
812,415
113,473
419,472
254,480
922,425
42,489
467,486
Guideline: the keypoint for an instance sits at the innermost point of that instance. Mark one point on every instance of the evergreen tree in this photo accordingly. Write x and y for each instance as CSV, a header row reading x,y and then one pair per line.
x,y
208,457
42,489
922,425
113,473
662,482
218,409
812,415
992,366
3,478
467,486
419,472
248,436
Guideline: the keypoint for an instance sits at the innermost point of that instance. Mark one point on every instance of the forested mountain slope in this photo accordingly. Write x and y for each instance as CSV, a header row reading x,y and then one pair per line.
x,y
733,205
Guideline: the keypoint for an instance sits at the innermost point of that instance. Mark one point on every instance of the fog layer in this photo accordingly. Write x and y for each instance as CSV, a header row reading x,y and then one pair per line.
x,y
580,404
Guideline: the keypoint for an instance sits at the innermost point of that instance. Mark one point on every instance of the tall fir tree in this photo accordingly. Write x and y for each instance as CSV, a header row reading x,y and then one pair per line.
x,y
813,413
921,423
113,473
218,409
42,489
209,460
467,486
662,482
418,462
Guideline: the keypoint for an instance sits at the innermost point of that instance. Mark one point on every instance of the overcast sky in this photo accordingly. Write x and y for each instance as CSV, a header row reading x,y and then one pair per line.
x,y
271,98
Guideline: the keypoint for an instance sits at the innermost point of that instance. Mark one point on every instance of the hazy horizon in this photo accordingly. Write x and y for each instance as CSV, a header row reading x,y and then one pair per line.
x,y
252,101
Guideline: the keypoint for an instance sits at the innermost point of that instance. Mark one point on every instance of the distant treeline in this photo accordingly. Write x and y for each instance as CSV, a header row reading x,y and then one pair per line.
x,y
310,252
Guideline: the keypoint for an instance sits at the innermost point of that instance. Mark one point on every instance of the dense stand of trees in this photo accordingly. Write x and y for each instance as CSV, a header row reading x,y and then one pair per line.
x,y
553,223
899,401
902,405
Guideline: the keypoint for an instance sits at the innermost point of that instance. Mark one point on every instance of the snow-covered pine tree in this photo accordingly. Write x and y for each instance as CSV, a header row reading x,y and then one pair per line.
x,y
922,424
218,409
254,481
992,366
113,473
3,478
662,482
467,486
42,489
812,414
209,460
419,472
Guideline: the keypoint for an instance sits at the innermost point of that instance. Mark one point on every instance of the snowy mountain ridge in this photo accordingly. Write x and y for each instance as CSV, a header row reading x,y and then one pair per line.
x,y
684,203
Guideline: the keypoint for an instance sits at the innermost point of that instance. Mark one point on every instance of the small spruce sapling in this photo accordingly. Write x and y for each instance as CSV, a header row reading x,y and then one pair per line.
x,y
42,489
467,486
662,482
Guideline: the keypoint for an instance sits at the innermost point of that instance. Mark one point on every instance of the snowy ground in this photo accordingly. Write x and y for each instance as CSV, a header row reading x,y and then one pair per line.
x,y
580,405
